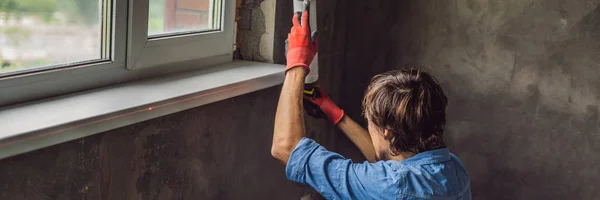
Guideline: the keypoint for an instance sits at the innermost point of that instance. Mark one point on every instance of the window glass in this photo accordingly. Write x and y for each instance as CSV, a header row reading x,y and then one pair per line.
x,y
43,34
168,17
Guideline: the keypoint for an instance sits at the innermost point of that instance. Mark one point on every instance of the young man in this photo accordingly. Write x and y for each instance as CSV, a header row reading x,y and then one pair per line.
x,y
407,156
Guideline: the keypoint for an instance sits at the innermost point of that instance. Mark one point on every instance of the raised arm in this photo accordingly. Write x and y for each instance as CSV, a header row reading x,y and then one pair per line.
x,y
358,135
289,119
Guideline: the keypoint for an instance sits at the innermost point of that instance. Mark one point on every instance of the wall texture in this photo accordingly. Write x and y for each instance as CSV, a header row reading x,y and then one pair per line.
x,y
217,151
521,77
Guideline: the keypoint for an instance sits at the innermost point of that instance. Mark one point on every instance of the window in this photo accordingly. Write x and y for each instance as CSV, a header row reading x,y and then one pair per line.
x,y
53,47
178,30
181,16
43,34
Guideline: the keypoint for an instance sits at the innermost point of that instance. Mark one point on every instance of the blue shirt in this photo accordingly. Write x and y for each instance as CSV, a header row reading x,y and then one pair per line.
x,y
435,174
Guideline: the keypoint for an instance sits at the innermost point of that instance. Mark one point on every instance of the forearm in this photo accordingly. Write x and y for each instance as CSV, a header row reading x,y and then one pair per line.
x,y
359,136
289,119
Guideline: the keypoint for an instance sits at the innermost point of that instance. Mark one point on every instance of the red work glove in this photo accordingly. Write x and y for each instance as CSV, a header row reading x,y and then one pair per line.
x,y
321,101
301,49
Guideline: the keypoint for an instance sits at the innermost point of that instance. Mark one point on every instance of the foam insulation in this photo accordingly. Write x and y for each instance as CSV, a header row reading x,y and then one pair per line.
x,y
255,30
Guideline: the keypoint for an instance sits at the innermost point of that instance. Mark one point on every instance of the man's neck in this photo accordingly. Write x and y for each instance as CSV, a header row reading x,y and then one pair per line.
x,y
400,157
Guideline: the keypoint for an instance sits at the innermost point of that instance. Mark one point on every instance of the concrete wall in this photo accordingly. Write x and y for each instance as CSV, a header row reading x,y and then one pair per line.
x,y
217,151
521,77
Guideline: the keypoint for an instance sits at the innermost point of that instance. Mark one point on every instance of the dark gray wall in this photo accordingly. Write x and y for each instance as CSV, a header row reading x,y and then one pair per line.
x,y
217,151
522,77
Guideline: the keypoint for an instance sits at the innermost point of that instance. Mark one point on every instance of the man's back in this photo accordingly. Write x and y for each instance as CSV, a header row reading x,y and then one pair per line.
x,y
435,174
406,115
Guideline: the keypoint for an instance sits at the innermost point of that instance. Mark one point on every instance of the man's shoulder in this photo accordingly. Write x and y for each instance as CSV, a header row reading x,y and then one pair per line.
x,y
456,159
427,179
420,181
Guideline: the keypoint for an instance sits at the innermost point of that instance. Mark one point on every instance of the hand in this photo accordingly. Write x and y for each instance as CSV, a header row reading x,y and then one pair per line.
x,y
301,48
319,105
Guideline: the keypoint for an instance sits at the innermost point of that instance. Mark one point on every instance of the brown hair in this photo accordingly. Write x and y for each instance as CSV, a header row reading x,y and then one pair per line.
x,y
410,104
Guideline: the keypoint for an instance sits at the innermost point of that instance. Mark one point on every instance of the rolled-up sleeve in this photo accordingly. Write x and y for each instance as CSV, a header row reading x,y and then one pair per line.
x,y
332,175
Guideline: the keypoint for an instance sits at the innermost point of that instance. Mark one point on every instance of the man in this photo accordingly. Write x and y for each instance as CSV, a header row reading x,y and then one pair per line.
x,y
404,146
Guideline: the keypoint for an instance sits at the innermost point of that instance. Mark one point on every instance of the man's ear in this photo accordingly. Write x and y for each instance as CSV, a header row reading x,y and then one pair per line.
x,y
387,134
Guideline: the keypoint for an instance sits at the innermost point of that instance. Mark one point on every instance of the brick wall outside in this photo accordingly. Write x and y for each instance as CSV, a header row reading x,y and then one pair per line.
x,y
186,14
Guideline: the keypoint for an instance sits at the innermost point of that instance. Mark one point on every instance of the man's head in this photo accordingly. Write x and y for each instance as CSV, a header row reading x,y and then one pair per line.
x,y
406,110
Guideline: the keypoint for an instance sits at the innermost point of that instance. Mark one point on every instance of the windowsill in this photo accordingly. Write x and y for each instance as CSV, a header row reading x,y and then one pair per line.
x,y
37,125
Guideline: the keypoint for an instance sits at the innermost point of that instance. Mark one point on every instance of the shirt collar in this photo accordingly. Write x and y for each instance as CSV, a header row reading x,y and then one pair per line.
x,y
429,157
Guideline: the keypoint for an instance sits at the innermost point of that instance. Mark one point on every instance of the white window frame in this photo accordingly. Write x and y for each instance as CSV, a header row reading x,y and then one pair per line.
x,y
52,121
147,52
90,108
133,56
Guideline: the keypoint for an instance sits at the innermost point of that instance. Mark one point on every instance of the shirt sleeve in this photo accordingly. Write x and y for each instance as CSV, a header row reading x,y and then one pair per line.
x,y
329,173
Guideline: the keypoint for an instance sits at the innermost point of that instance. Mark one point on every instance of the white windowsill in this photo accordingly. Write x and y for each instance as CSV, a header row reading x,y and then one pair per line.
x,y
37,125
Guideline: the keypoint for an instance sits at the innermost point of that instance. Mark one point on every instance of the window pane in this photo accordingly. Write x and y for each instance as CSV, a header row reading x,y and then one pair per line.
x,y
42,34
181,16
